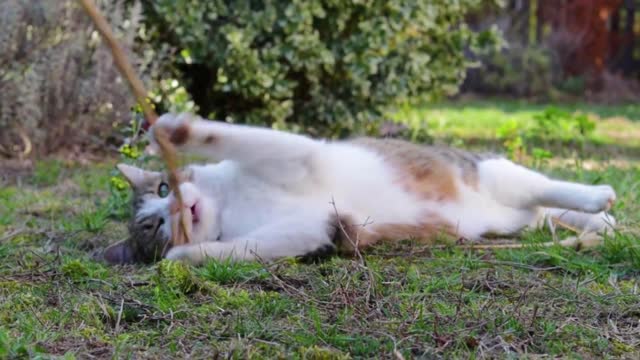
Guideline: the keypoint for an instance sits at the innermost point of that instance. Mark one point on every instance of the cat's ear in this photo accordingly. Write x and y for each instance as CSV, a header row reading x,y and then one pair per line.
x,y
119,253
134,175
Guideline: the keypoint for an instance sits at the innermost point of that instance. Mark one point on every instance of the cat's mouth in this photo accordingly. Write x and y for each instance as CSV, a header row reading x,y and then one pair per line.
x,y
195,213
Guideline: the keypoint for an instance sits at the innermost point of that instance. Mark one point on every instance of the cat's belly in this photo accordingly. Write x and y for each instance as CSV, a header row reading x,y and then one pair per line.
x,y
249,213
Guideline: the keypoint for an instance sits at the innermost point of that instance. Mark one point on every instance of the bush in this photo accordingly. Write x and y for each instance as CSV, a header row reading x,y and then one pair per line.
x,y
323,64
522,66
517,71
59,85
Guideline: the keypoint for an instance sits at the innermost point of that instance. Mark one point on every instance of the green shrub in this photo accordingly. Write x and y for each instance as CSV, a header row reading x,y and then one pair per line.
x,y
321,64
517,71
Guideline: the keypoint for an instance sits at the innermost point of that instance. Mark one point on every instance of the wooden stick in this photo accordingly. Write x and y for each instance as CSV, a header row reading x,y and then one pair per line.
x,y
167,150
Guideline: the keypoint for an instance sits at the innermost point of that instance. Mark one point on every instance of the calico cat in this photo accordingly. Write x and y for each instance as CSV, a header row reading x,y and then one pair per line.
x,y
276,194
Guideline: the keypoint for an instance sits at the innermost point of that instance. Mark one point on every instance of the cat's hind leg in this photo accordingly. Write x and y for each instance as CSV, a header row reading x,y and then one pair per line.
x,y
516,186
581,222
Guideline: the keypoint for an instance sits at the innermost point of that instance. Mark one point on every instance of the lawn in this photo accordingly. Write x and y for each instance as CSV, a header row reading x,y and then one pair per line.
x,y
401,301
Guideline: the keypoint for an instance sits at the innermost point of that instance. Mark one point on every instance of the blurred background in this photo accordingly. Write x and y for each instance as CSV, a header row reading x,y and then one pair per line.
x,y
467,72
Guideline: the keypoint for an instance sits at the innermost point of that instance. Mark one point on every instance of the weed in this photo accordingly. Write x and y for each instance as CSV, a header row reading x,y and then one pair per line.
x,y
46,172
229,271
8,205
175,275
75,269
118,204
95,221
552,123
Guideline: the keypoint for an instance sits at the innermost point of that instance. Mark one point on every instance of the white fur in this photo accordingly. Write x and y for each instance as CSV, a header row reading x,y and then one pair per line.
x,y
274,192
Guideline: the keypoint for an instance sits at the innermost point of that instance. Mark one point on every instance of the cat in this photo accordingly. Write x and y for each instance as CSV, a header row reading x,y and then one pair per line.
x,y
273,194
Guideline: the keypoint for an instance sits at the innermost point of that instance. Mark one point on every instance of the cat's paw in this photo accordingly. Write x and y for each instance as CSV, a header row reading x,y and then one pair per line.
x,y
178,128
602,223
186,253
601,198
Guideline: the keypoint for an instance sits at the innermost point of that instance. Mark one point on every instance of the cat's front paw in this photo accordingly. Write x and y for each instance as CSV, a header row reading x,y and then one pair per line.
x,y
177,127
191,254
602,198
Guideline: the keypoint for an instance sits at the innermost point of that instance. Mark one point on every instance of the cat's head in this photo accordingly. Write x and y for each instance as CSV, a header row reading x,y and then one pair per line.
x,y
154,211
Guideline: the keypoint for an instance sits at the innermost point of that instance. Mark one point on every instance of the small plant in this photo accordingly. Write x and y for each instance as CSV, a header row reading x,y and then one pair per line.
x,y
550,125
4,344
133,147
556,123
95,221
175,275
512,134
117,205
75,269
9,205
46,172
540,157
228,271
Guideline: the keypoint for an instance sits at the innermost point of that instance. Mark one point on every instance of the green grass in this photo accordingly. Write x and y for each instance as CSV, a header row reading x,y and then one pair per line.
x,y
477,123
406,298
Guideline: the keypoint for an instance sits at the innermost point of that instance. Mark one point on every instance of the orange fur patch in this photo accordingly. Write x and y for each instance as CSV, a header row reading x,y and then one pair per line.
x,y
432,183
349,236
426,171
180,135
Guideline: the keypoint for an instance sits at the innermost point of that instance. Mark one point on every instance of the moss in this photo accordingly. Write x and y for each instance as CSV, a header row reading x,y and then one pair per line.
x,y
234,299
10,286
620,348
320,353
176,275
227,272
75,269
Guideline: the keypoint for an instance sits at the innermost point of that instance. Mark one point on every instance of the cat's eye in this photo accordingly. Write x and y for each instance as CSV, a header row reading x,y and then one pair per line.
x,y
163,189
147,227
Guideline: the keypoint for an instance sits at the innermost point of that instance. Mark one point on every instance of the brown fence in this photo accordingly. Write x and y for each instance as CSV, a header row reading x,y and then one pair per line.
x,y
590,36
625,24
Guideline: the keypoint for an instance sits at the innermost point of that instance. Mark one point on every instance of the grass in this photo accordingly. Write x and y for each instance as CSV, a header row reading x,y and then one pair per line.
x,y
404,300
476,118
478,123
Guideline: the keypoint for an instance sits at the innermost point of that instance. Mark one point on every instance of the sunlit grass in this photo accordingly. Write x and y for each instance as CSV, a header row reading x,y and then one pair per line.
x,y
482,119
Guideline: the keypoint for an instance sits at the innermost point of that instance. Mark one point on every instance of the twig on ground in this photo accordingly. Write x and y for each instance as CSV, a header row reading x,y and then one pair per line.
x,y
283,284
356,244
117,329
13,234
